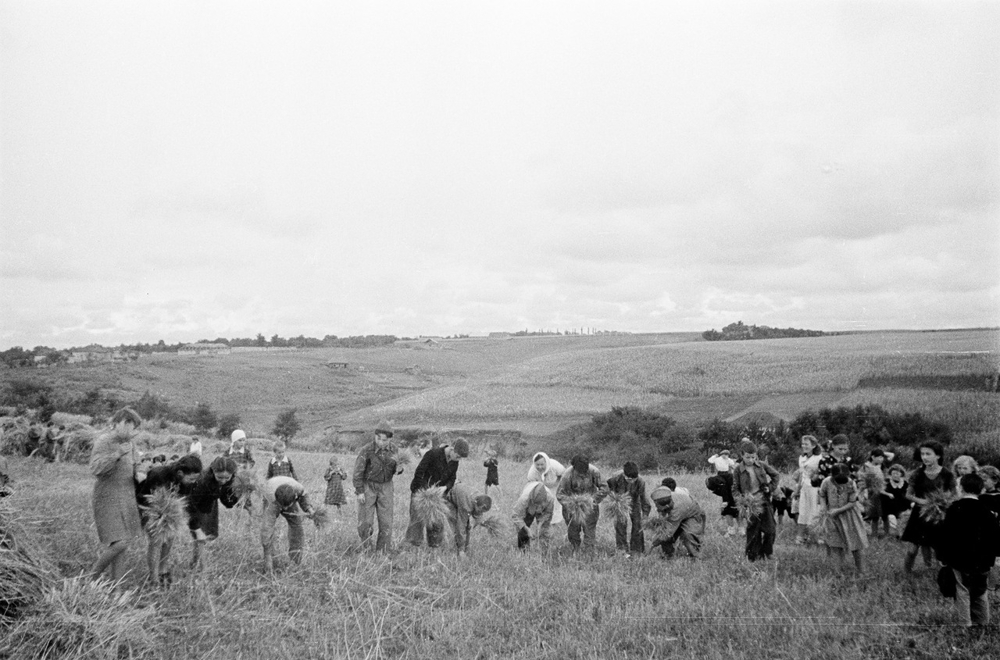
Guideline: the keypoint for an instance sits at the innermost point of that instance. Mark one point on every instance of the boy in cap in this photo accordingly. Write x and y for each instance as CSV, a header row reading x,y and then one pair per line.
x,y
286,497
373,472
463,506
536,504
685,521
438,467
582,479
628,483
756,479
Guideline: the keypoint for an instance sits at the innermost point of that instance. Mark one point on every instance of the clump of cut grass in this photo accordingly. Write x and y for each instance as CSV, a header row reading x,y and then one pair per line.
x,y
658,528
619,506
166,514
495,526
934,508
748,506
576,508
429,507
320,517
25,574
81,618
245,484
869,483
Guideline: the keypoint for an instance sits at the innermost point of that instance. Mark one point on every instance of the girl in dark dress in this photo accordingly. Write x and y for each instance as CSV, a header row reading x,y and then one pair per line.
x,y
179,477
926,480
212,487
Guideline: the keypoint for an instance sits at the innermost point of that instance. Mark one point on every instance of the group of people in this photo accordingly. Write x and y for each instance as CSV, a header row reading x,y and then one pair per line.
x,y
951,512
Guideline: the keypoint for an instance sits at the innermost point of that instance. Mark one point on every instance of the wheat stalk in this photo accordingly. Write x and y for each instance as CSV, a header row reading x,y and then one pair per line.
x,y
748,506
933,510
619,505
576,508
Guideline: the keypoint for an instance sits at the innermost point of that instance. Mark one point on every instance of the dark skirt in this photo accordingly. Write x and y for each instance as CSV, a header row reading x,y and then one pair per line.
x,y
919,531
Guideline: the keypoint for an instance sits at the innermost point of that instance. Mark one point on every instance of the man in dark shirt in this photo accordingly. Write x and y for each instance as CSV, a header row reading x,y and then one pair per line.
x,y
437,468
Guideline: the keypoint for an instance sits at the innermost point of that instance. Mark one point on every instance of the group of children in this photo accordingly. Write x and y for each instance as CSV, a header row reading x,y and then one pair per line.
x,y
829,494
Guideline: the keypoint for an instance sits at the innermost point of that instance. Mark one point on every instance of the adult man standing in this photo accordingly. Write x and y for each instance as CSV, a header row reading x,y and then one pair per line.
x,y
582,479
373,472
438,467
629,484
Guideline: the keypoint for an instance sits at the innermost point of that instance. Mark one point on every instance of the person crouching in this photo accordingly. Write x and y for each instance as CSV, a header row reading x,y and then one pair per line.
x,y
684,521
463,506
286,497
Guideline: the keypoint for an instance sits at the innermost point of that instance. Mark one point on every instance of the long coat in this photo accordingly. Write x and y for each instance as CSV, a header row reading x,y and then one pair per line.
x,y
116,513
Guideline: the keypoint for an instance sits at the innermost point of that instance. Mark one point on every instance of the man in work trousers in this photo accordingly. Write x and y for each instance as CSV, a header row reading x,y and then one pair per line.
x,y
463,507
286,497
373,473
438,467
582,479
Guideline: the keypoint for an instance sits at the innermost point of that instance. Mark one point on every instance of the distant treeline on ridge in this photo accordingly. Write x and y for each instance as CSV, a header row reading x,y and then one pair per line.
x,y
738,331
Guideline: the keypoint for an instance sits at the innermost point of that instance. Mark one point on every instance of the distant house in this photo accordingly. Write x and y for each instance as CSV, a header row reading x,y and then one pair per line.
x,y
204,349
92,353
336,365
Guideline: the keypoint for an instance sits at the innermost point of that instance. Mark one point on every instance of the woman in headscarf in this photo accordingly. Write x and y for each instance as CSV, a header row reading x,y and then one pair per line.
x,y
548,471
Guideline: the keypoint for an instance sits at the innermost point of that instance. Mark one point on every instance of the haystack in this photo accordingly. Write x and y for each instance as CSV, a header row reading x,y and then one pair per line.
x,y
24,573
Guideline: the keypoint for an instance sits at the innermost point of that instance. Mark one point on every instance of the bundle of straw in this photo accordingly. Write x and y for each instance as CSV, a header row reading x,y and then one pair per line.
x,y
937,504
166,514
81,618
659,528
430,508
748,506
870,483
403,457
619,505
576,508
24,574
320,516
78,443
245,483
818,527
15,437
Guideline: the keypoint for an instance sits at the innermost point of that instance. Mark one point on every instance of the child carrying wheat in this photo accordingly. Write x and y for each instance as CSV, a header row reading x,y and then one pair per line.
x,y
163,511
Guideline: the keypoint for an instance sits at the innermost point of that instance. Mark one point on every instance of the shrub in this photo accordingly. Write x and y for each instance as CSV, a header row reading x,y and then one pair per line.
x,y
286,425
203,418
227,424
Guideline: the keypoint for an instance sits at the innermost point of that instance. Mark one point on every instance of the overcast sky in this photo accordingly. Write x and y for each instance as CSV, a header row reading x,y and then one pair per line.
x,y
192,170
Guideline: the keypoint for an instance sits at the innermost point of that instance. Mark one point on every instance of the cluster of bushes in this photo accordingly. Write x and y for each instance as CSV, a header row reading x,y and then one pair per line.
x,y
738,332
626,433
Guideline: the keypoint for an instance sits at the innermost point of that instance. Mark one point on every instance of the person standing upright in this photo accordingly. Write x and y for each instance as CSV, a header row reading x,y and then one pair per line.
x,y
373,472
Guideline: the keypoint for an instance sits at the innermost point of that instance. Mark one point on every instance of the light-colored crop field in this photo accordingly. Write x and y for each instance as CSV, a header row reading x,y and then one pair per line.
x,y
500,603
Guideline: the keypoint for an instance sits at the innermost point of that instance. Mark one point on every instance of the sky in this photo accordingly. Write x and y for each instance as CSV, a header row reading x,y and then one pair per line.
x,y
190,170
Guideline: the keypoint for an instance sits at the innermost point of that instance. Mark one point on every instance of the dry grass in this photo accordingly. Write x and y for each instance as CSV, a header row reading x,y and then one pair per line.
x,y
80,618
618,506
166,515
24,572
934,509
576,508
748,506
496,526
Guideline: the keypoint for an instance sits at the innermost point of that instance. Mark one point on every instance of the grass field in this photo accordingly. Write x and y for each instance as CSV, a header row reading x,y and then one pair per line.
x,y
499,603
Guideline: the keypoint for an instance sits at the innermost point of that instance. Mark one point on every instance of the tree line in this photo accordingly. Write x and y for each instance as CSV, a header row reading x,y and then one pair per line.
x,y
738,332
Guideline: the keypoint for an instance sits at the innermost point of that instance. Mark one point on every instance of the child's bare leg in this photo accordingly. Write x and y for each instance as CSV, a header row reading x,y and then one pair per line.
x,y
911,556
196,554
926,552
859,562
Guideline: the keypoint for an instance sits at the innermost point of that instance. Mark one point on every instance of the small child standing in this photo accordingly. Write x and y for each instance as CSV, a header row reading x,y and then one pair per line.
x,y
969,543
334,477
893,497
845,529
280,465
492,472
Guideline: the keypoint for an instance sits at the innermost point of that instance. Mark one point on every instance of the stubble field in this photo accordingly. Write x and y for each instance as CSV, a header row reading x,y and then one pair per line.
x,y
498,602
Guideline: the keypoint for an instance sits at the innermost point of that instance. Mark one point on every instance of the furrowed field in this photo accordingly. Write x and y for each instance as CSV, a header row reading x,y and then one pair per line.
x,y
498,602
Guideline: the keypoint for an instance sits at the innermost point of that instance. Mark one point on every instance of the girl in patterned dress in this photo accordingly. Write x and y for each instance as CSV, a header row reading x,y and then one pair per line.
x,y
335,476
845,529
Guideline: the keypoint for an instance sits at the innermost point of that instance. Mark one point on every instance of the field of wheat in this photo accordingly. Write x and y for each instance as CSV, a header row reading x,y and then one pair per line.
x,y
498,602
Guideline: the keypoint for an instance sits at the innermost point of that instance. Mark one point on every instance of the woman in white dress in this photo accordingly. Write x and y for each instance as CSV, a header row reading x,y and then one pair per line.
x,y
548,471
808,493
